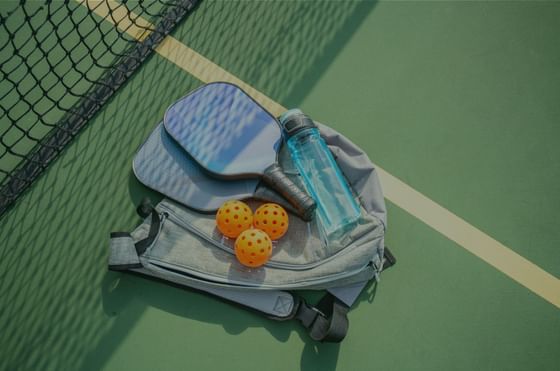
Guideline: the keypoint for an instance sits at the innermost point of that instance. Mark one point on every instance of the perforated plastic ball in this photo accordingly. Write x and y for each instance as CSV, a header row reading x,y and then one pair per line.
x,y
272,219
253,248
234,217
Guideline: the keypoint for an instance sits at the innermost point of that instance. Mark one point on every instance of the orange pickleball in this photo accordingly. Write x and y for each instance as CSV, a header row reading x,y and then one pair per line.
x,y
272,219
234,217
253,248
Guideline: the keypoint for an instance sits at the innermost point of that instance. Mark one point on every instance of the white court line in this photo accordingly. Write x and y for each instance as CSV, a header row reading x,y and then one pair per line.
x,y
437,217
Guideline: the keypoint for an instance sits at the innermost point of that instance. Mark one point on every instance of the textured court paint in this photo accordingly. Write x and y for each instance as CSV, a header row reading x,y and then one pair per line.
x,y
440,308
120,15
463,106
485,247
480,244
462,99
50,106
177,52
207,71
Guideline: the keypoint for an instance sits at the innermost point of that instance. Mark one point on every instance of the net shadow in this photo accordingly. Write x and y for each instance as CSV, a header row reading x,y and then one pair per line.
x,y
57,296
60,63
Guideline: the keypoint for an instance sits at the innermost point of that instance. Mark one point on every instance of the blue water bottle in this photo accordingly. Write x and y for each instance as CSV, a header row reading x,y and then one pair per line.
x,y
337,210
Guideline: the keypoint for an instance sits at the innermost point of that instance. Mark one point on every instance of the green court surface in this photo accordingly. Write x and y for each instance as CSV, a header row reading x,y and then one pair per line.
x,y
458,99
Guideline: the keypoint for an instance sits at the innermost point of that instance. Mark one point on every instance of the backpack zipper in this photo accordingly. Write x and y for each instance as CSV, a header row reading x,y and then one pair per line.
x,y
173,268
178,220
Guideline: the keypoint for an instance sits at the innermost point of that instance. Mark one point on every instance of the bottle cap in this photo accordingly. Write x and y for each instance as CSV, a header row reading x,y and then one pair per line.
x,y
293,121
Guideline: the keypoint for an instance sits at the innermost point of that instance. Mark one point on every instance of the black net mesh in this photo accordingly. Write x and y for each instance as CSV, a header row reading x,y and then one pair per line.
x,y
60,62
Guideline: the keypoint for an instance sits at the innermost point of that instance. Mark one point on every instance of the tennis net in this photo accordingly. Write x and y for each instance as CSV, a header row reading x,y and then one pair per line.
x,y
60,62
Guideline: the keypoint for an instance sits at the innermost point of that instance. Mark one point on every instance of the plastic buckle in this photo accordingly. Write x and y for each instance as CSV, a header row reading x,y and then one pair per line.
x,y
308,314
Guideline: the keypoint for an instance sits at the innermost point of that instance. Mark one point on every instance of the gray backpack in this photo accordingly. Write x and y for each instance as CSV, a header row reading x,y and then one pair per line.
x,y
180,245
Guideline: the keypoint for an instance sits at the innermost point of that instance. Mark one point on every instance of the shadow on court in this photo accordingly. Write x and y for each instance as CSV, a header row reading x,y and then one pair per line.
x,y
130,295
61,308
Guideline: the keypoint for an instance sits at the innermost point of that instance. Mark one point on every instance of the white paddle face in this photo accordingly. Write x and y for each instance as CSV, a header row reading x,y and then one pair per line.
x,y
225,131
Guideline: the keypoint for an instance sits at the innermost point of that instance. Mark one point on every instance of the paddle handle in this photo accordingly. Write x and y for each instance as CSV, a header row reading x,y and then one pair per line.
x,y
304,205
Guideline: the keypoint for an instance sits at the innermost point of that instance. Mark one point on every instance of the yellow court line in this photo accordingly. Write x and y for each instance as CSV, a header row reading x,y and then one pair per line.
x,y
120,16
472,239
437,217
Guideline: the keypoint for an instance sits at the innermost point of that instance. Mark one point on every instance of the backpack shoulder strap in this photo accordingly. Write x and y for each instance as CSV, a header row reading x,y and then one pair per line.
x,y
325,322
328,321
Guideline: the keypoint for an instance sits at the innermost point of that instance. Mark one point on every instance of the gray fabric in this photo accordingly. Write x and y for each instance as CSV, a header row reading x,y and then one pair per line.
x,y
190,243
189,250
355,165
359,171
348,294
274,302
122,253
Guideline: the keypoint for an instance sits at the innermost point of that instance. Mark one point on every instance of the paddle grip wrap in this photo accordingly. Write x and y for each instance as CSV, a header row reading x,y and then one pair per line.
x,y
303,204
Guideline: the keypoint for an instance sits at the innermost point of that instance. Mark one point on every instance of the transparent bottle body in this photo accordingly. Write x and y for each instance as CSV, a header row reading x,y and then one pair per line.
x,y
337,210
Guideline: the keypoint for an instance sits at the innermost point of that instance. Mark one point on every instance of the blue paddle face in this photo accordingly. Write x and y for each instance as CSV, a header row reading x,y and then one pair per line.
x,y
225,130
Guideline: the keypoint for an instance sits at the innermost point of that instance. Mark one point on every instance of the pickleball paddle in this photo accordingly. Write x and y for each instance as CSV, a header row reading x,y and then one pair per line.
x,y
232,137
162,165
